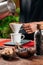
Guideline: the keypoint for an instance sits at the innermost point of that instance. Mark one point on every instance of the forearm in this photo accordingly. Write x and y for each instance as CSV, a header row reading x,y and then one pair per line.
x,y
33,24
40,22
3,15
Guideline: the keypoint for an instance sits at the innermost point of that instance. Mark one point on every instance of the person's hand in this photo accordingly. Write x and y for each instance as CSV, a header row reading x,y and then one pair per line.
x,y
3,15
29,27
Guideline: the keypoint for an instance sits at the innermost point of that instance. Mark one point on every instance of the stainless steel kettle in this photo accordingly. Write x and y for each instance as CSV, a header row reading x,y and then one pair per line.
x,y
8,5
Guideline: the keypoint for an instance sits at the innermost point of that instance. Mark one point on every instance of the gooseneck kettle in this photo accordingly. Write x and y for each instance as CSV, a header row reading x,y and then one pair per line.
x,y
8,5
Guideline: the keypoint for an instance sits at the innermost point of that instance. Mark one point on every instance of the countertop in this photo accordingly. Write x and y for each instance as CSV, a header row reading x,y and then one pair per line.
x,y
20,61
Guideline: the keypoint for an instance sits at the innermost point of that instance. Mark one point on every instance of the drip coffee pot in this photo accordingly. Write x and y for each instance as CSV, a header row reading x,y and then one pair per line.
x,y
16,37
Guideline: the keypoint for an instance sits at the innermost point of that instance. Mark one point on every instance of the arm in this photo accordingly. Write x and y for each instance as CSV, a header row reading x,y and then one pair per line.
x,y
3,15
31,27
40,22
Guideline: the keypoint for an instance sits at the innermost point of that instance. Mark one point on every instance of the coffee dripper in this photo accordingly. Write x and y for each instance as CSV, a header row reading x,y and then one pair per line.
x,y
16,27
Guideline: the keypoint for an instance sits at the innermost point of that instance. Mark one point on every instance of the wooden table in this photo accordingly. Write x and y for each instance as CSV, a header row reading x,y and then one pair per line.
x,y
35,60
19,61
